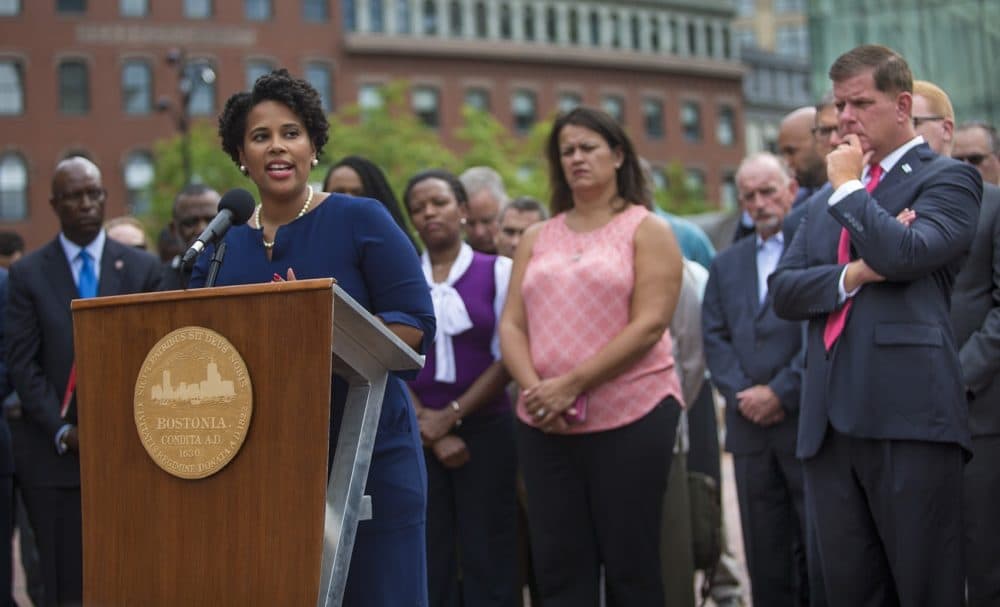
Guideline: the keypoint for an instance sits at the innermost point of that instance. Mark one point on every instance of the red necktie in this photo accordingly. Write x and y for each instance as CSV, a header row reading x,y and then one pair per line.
x,y
838,318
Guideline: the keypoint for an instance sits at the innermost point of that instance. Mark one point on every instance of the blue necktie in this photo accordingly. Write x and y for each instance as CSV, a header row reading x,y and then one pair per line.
x,y
88,280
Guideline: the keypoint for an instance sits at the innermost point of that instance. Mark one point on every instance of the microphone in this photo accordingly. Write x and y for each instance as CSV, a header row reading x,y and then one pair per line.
x,y
235,208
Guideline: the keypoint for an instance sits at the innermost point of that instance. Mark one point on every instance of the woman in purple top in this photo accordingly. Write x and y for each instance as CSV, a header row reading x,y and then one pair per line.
x,y
462,407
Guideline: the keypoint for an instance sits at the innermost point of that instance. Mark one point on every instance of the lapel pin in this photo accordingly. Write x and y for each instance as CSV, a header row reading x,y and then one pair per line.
x,y
906,168
119,264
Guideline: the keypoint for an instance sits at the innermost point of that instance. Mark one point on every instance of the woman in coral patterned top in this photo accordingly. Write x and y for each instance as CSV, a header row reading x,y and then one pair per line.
x,y
584,333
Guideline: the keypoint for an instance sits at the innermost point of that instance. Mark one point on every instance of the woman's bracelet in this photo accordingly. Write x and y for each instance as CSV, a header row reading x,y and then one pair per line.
x,y
457,409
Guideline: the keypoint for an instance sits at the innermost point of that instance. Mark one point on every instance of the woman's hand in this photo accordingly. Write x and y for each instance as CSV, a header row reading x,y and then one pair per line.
x,y
435,424
277,277
547,400
451,451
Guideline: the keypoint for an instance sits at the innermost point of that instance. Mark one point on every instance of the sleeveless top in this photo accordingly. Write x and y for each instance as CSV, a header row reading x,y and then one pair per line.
x,y
473,347
577,290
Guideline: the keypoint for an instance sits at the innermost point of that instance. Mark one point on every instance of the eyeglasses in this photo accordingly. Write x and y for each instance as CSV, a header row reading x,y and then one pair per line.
x,y
824,131
76,196
918,120
973,159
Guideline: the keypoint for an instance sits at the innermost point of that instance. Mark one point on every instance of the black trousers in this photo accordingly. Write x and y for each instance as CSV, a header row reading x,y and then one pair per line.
x,y
597,499
55,516
981,497
888,521
769,488
472,519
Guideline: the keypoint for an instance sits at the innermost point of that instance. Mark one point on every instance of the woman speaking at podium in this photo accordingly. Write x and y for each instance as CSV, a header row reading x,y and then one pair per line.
x,y
275,134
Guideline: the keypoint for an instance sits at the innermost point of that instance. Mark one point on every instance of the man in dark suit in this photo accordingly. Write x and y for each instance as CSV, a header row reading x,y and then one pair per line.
x,y
883,427
80,261
797,146
194,208
756,364
975,315
6,467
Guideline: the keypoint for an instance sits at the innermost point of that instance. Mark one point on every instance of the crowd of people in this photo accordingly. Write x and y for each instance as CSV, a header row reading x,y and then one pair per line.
x,y
545,452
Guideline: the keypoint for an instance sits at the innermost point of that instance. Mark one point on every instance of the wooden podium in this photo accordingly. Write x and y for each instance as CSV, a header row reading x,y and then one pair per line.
x,y
269,528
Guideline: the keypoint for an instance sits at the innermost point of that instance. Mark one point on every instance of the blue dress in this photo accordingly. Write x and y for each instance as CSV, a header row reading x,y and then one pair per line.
x,y
356,241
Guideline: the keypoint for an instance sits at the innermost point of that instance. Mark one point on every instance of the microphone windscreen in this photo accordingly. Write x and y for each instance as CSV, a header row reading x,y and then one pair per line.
x,y
240,202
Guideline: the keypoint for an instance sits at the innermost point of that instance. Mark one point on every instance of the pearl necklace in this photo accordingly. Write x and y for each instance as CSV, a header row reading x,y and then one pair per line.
x,y
256,216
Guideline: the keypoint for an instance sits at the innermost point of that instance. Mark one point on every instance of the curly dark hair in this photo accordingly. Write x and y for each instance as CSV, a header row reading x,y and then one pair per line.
x,y
278,86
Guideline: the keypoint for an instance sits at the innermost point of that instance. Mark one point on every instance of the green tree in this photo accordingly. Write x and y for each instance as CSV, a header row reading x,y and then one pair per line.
x,y
679,197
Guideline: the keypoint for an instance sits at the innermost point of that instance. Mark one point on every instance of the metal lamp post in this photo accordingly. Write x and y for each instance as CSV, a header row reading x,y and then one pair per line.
x,y
187,76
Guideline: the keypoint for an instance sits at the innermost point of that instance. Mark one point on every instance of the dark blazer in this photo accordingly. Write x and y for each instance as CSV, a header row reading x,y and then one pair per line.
x,y
40,348
746,344
975,314
893,373
6,450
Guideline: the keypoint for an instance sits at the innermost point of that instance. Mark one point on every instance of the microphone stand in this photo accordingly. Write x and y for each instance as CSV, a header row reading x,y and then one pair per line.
x,y
215,264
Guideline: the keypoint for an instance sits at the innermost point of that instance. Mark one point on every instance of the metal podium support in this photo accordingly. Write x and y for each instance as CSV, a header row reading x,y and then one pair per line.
x,y
364,353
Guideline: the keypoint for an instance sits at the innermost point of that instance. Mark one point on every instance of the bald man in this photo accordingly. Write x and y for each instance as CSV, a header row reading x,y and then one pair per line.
x,y
80,262
797,147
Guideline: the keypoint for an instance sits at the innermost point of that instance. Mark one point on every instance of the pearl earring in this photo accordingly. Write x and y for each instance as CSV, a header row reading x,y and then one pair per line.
x,y
315,161
243,169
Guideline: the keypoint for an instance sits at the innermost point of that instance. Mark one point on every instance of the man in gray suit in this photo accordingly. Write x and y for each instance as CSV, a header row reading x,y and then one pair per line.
x,y
975,316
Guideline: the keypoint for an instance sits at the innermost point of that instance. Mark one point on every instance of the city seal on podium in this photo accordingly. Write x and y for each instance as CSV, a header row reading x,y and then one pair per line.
x,y
193,402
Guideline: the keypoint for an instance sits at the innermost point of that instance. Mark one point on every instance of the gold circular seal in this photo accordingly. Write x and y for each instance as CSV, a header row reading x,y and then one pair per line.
x,y
193,402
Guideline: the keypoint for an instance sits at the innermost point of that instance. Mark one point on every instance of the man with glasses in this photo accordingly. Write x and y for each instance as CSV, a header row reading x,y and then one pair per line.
x,y
80,262
933,116
977,143
194,208
824,130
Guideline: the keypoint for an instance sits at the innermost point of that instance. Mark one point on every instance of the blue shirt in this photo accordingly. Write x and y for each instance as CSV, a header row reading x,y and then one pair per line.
x,y
692,240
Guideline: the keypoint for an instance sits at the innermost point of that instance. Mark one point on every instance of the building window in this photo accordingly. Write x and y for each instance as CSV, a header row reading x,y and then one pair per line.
x,y
426,103
727,49
350,19
74,87
71,6
746,38
654,35
403,16
789,6
652,117
524,108
746,8
659,179
315,11
370,97
198,9
257,10
725,129
138,176
568,101
595,29
137,87
551,35
375,21
318,75
482,19
616,32
133,8
455,18
430,18
728,192
529,23
478,99
615,107
695,181
792,40
11,89
202,77
692,32
636,33
691,121
10,8
256,68
574,27
506,31
13,187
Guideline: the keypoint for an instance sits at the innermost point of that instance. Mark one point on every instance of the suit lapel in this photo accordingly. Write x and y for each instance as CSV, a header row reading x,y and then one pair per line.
x,y
908,167
112,267
57,269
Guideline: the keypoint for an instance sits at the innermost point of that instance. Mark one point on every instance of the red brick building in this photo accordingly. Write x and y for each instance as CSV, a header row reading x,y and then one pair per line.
x,y
84,76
